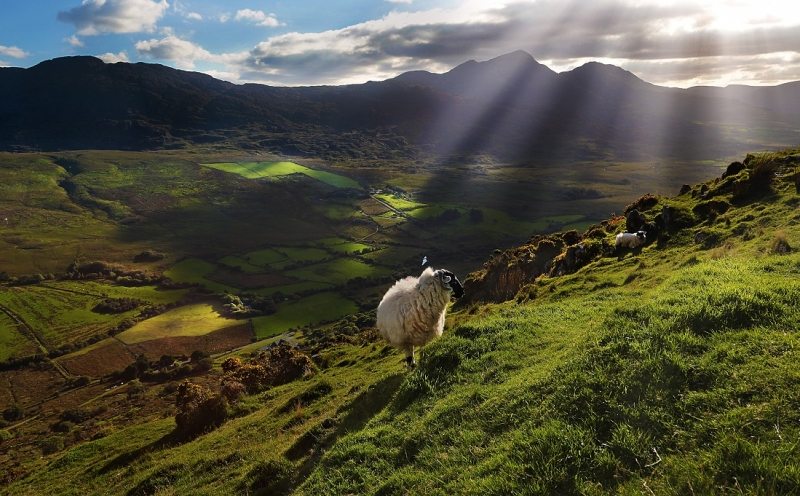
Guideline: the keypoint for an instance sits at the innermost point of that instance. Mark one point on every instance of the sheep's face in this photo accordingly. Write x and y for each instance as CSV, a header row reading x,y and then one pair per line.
x,y
450,282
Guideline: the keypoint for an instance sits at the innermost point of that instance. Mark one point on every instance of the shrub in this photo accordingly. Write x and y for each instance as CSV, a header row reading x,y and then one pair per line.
x,y
199,410
75,415
779,244
63,426
5,435
51,445
135,388
14,412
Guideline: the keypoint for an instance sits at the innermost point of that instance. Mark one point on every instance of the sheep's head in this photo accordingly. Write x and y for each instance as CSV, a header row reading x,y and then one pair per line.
x,y
450,282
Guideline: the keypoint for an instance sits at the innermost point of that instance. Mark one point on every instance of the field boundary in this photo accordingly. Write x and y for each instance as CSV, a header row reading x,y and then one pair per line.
x,y
30,333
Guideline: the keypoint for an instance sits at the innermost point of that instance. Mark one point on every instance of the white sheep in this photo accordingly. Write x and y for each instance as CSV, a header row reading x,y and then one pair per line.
x,y
630,240
412,311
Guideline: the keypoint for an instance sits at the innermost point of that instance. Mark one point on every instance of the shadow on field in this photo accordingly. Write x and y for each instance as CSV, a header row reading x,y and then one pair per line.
x,y
353,417
124,459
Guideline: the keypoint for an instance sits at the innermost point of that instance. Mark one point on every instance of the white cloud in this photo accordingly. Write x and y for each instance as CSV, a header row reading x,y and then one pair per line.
x,y
258,17
74,41
12,51
95,17
194,16
183,53
223,18
112,58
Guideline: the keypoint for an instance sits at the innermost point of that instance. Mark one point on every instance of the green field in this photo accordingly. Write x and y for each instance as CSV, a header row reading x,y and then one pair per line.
x,y
258,170
310,310
194,271
59,317
241,264
399,203
190,320
60,312
337,271
340,245
12,343
263,258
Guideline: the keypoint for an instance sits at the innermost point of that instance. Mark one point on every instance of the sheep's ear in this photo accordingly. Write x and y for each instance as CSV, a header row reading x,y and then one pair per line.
x,y
447,278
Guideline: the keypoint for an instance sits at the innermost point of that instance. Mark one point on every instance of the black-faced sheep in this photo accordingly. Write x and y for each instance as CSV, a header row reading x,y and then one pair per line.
x,y
412,311
630,240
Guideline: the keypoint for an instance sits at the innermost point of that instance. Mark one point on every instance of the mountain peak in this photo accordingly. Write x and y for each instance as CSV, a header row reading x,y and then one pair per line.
x,y
591,68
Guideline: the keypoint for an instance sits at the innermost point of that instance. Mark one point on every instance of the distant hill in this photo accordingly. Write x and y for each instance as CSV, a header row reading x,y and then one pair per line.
x,y
511,107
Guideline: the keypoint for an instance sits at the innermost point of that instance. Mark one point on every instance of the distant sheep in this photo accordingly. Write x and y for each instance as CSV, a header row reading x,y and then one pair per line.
x,y
630,240
412,311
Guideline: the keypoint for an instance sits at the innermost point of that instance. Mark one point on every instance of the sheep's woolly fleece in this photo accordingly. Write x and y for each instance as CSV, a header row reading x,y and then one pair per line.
x,y
412,312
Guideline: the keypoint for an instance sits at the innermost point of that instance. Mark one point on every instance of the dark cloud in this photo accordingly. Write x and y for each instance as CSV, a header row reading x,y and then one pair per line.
x,y
114,16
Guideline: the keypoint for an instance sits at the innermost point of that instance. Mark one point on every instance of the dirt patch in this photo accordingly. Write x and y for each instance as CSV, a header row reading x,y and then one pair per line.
x,y
99,362
371,206
214,342
29,385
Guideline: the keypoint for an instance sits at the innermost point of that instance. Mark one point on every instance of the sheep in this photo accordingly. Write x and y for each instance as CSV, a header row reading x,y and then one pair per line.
x,y
630,240
412,311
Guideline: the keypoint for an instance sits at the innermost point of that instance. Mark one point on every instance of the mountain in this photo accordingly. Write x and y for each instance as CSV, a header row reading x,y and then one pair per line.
x,y
511,107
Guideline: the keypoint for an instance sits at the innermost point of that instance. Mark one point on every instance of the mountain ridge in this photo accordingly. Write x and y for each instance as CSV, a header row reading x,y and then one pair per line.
x,y
510,107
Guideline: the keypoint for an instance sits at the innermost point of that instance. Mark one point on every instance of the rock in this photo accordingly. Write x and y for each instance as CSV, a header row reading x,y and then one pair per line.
x,y
634,221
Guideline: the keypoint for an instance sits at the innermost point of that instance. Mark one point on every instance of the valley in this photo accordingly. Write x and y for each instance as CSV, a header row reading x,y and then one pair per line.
x,y
169,233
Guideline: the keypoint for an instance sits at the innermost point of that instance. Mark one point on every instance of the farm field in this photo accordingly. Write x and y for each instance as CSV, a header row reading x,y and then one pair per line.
x,y
313,309
12,342
189,320
258,170
60,312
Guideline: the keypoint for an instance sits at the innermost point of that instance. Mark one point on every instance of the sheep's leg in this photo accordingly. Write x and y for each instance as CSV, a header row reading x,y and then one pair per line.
x,y
409,349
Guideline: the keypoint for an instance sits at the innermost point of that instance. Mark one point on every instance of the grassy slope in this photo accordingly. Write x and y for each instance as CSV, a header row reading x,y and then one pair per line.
x,y
673,371
189,320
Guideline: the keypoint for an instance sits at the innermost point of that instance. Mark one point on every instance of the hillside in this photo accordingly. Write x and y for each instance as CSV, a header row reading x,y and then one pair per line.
x,y
511,108
572,368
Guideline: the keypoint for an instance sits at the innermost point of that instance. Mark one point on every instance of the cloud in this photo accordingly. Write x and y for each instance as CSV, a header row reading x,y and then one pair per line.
x,y
12,51
183,53
95,17
647,38
111,58
194,16
74,41
258,17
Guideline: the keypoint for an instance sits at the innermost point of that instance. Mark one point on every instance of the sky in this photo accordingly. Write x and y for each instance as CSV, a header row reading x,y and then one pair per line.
x,y
313,42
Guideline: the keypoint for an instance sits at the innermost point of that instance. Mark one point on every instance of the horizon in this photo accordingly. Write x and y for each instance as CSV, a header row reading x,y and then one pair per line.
x,y
721,43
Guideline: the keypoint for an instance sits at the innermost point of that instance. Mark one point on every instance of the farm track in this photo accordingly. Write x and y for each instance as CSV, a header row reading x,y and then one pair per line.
x,y
32,335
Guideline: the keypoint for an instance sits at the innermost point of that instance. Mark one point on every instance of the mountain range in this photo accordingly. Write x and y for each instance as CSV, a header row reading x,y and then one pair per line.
x,y
510,107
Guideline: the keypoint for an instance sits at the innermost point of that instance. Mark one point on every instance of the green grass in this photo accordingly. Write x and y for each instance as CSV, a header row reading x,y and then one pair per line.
x,y
294,288
241,264
190,320
60,312
340,245
194,271
399,203
12,343
337,271
59,317
263,258
310,310
257,170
